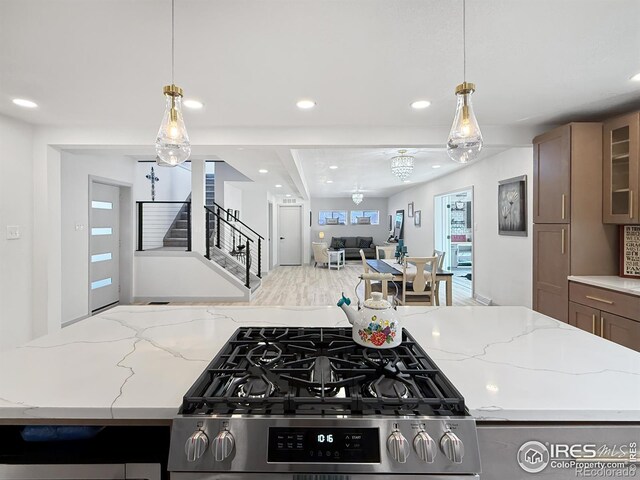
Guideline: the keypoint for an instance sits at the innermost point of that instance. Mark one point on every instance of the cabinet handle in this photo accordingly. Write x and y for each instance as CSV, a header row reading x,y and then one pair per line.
x,y
564,201
593,324
602,326
608,302
562,240
630,203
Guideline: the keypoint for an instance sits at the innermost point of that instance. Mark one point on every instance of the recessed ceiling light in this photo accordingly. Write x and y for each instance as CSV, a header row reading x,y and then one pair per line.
x,y
636,77
492,388
305,104
194,104
329,181
263,170
407,181
420,104
25,103
436,166
288,195
435,333
333,167
278,185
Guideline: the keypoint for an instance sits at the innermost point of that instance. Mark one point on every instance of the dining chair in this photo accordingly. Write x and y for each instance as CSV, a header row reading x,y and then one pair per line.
x,y
369,286
418,287
387,252
440,254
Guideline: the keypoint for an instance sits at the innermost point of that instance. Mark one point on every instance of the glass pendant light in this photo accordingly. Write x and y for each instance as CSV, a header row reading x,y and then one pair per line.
x,y
465,139
172,145
357,198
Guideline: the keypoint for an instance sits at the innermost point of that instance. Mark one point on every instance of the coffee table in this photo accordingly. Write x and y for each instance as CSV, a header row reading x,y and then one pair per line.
x,y
336,259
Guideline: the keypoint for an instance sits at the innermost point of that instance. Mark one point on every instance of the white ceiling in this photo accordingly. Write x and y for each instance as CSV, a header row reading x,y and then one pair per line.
x,y
368,170
104,62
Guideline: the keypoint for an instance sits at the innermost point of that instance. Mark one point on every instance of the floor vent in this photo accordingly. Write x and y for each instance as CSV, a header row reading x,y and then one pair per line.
x,y
483,300
158,303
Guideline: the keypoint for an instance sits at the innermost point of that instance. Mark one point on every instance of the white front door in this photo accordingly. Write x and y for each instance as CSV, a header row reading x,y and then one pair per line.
x,y
290,235
104,246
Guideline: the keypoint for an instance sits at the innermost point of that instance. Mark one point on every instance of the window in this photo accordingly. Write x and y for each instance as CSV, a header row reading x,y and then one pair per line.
x,y
102,231
332,217
105,282
100,257
365,217
101,205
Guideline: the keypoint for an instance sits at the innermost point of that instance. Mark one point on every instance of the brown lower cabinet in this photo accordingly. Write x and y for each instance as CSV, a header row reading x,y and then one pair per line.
x,y
621,330
551,269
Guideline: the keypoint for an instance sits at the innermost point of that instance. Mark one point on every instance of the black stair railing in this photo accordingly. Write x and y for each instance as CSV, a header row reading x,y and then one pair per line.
x,y
246,230
164,225
225,236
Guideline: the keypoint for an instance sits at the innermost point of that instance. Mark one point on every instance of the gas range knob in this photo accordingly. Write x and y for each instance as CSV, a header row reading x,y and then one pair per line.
x,y
425,447
223,445
452,447
398,447
196,445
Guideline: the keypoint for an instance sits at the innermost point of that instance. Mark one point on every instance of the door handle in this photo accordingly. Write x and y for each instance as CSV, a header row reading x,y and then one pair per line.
x,y
564,205
593,327
562,240
630,203
601,326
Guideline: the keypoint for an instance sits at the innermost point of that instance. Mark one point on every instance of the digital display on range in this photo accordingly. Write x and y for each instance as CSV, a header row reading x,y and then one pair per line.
x,y
328,445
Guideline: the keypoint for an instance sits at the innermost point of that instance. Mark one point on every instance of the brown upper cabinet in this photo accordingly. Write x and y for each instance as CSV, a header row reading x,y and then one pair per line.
x,y
552,176
621,172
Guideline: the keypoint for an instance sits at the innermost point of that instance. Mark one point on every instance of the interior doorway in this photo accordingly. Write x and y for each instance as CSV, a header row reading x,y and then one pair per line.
x,y
453,228
290,235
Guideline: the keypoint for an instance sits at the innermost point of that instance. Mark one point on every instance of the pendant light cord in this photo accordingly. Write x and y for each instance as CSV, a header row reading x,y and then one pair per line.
x,y
173,48
464,40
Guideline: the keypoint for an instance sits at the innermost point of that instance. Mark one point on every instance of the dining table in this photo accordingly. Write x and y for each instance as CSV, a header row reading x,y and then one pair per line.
x,y
395,269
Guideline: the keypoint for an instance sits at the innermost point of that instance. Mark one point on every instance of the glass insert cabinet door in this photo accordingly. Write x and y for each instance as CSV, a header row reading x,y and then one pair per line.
x,y
621,174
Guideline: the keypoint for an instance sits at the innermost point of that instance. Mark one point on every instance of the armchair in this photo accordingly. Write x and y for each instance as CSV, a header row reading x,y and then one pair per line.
x,y
320,254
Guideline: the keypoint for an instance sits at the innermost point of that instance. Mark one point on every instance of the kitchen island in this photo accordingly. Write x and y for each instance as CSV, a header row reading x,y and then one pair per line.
x,y
132,365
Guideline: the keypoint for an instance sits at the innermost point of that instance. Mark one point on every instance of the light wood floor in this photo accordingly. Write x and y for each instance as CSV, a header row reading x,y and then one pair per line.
x,y
307,285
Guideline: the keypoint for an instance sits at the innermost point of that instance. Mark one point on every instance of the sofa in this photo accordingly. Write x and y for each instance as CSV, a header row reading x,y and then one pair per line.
x,y
352,246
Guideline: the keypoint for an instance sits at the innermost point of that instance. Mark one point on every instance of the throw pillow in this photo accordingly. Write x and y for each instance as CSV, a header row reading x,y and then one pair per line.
x,y
364,243
339,243
334,242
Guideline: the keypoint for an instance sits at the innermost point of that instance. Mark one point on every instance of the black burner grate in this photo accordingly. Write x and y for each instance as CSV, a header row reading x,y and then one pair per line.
x,y
315,371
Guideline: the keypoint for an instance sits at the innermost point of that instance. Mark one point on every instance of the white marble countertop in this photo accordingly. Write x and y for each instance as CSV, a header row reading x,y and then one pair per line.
x,y
611,282
135,363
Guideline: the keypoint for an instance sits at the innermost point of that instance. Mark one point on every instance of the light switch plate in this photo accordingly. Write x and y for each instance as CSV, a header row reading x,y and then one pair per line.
x,y
13,232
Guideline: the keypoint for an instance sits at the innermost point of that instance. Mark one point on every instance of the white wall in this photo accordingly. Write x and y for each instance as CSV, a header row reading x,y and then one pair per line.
x,y
226,173
75,174
174,184
502,264
16,209
380,232
182,277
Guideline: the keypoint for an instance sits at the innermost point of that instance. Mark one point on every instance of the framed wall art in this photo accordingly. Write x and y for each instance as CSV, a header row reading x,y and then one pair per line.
x,y
630,251
512,206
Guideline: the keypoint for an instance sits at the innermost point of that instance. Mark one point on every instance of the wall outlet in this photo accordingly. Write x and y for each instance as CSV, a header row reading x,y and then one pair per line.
x,y
13,232
79,227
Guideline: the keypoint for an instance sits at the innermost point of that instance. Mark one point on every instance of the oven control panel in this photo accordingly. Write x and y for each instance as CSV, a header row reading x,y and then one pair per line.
x,y
416,445
333,445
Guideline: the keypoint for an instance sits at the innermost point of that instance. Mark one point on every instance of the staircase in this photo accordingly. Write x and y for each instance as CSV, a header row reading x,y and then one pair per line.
x,y
178,232
228,242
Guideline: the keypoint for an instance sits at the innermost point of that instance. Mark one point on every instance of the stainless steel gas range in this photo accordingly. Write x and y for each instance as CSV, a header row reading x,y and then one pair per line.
x,y
302,402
